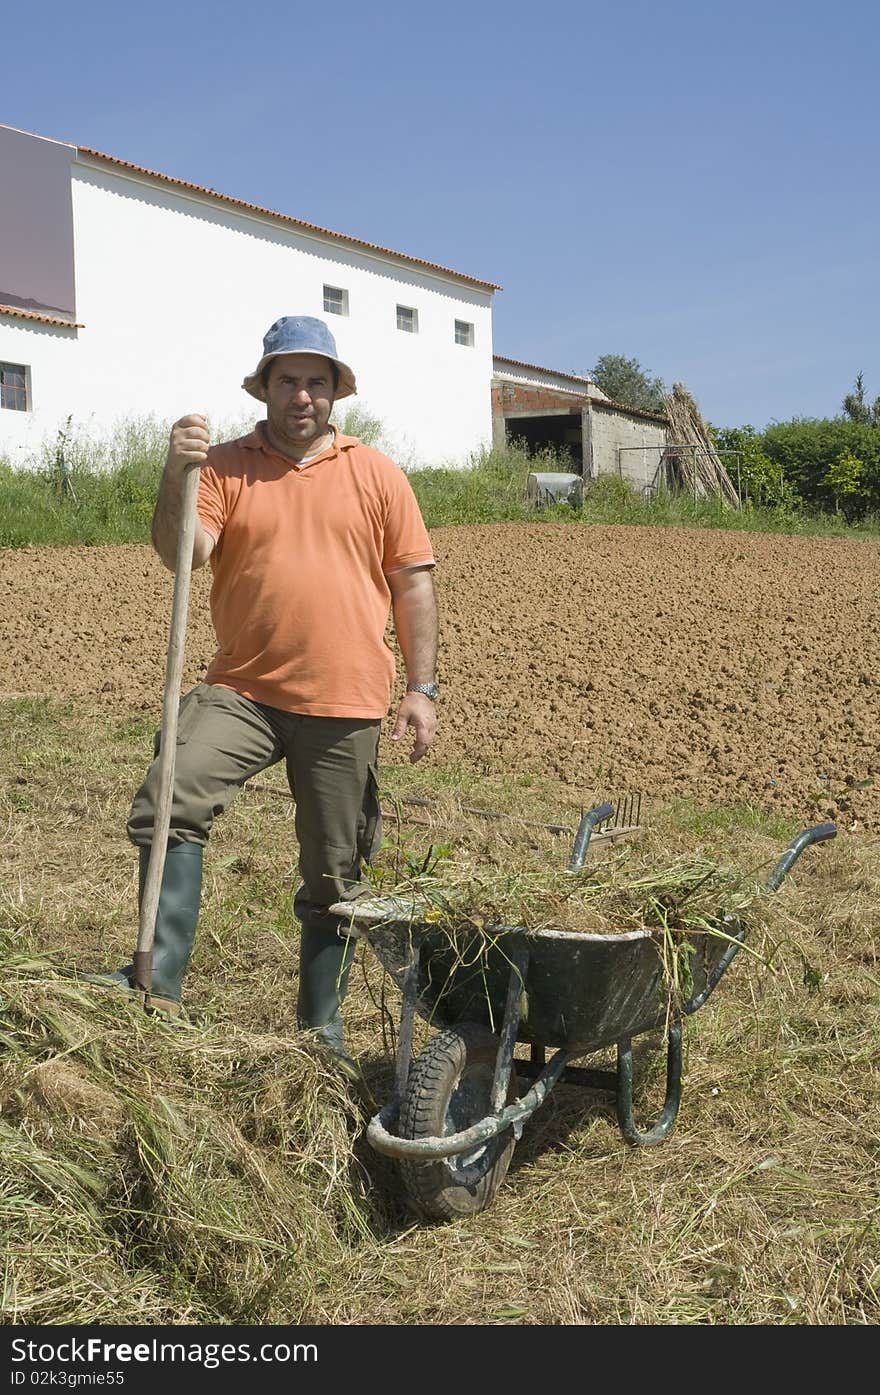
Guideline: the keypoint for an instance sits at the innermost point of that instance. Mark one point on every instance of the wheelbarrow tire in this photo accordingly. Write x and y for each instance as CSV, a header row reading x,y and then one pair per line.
x,y
449,1090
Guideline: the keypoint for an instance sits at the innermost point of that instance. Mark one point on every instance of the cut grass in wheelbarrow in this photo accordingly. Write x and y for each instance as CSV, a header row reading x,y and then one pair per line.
x,y
555,975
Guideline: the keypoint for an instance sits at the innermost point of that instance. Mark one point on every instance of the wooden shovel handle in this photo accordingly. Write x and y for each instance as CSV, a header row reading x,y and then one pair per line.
x,y
168,737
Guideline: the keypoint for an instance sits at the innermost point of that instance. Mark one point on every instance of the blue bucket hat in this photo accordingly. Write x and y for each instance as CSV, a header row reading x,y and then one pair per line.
x,y
299,334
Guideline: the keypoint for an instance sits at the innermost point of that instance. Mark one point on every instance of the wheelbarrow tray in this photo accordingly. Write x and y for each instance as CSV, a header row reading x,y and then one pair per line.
x,y
580,991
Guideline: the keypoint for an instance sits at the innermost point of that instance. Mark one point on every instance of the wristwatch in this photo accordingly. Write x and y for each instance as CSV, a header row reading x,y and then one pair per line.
x,y
430,690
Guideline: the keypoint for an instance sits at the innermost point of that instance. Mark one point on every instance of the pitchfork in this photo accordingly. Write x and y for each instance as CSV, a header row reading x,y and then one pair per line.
x,y
143,956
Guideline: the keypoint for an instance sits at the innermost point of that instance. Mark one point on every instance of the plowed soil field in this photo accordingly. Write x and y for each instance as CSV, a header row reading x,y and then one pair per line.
x,y
724,666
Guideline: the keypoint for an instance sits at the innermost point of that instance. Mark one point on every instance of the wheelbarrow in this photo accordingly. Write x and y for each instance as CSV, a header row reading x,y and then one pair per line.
x,y
455,1115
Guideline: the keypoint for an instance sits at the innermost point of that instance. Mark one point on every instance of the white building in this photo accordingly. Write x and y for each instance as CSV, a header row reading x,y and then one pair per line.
x,y
126,293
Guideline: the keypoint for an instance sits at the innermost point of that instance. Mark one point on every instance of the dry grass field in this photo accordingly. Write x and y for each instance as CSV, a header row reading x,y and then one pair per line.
x,y
212,1171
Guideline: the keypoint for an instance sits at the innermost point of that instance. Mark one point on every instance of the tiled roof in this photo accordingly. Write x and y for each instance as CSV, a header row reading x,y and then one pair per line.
x,y
633,411
602,401
285,218
33,315
537,368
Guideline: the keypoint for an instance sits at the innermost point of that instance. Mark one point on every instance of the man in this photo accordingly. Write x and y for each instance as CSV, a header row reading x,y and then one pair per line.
x,y
312,538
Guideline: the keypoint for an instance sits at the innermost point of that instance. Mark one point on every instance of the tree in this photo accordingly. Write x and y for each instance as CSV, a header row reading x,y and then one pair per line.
x,y
627,382
843,480
857,409
759,478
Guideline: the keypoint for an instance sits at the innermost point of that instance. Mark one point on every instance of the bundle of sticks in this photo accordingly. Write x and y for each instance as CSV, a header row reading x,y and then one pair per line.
x,y
690,455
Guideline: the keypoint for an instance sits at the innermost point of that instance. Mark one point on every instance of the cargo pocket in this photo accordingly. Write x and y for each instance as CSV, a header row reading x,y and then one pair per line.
x,y
186,719
369,831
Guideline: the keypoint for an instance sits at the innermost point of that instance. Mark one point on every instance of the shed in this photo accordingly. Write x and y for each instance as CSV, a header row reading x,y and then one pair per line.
x,y
570,414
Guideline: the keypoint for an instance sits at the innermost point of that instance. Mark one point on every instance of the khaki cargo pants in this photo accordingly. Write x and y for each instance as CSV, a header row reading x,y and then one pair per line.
x,y
223,739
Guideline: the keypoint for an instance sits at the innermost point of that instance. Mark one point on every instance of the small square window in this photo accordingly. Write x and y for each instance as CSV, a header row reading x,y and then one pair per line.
x,y
14,386
464,333
408,319
335,300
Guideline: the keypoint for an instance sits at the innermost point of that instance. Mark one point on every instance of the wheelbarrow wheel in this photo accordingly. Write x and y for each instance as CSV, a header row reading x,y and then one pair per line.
x,y
449,1089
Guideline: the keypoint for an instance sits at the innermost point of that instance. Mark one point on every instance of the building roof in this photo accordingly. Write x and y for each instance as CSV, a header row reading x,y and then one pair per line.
x,y
33,315
595,393
538,368
608,402
285,218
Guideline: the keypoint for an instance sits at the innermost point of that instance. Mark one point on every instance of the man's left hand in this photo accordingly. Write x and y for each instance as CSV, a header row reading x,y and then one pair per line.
x,y
416,711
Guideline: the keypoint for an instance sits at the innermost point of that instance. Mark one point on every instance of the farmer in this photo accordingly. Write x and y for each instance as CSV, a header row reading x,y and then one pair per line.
x,y
312,538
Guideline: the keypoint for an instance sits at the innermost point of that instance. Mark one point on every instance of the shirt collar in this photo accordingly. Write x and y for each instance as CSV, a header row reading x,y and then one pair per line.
x,y
258,440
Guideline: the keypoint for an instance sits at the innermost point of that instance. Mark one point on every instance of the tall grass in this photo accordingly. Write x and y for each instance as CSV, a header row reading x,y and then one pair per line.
x,y
88,488
492,489
610,500
86,491
214,1172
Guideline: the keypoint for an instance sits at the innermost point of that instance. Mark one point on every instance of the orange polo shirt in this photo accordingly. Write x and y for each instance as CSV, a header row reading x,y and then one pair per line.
x,y
300,599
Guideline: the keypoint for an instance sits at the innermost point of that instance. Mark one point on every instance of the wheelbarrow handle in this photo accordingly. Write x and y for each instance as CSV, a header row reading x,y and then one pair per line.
x,y
584,834
819,834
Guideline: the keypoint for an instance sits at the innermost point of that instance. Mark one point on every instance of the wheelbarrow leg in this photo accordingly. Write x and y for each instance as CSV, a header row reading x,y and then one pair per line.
x,y
407,1021
512,1013
664,1124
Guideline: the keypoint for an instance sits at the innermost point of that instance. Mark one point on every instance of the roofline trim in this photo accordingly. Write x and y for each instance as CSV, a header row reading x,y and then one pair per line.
x,y
538,368
286,218
634,411
43,319
603,401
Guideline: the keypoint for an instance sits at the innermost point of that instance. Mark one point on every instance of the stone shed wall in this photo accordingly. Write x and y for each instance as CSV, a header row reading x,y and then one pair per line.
x,y
609,428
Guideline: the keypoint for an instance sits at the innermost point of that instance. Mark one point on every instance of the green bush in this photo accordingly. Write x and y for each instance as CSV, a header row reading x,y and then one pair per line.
x,y
807,451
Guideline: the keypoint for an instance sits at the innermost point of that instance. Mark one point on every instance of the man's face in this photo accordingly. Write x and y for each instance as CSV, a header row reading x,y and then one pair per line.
x,y
299,397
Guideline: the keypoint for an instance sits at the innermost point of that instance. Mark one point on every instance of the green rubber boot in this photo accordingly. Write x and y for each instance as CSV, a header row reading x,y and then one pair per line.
x,y
325,960
176,918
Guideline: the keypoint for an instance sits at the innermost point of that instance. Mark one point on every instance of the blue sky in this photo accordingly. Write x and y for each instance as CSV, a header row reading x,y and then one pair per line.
x,y
692,185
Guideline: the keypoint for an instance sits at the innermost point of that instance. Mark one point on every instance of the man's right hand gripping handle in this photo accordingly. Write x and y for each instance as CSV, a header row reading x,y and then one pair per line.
x,y
187,448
